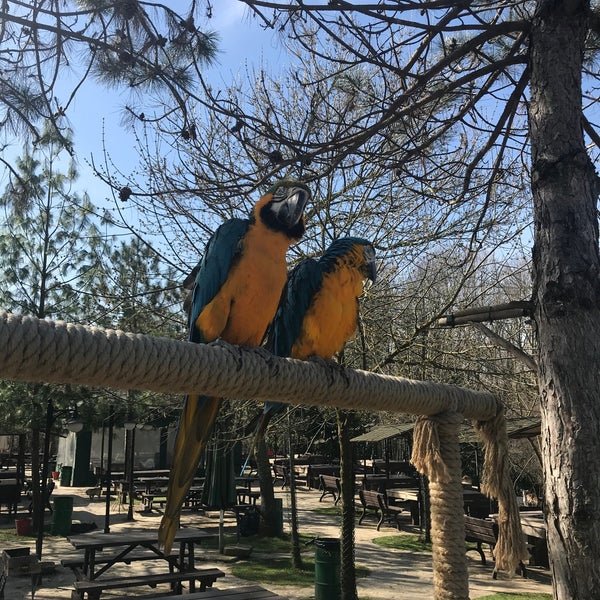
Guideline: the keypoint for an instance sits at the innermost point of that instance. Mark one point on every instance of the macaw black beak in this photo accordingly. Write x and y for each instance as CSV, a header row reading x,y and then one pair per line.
x,y
370,264
291,208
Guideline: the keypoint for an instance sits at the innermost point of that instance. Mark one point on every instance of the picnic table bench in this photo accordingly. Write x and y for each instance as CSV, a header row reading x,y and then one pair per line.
x,y
484,531
249,592
330,485
149,499
94,588
377,502
77,564
158,496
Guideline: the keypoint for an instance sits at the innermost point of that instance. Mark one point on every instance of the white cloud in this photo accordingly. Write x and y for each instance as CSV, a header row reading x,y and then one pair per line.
x,y
227,14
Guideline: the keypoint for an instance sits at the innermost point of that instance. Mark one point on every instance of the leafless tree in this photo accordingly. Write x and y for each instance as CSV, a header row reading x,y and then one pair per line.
x,y
461,104
516,82
49,50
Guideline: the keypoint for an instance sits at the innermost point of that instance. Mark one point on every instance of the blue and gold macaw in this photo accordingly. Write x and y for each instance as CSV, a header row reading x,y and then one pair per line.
x,y
236,292
318,311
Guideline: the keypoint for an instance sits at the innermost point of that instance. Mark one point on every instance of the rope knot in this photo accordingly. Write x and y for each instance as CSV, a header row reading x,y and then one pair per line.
x,y
427,456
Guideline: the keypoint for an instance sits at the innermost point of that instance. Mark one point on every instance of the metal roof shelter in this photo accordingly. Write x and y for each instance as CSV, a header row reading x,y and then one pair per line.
x,y
384,432
522,427
519,428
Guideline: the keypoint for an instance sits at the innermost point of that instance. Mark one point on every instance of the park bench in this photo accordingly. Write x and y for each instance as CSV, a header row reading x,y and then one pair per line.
x,y
93,589
279,471
377,502
484,531
330,485
313,472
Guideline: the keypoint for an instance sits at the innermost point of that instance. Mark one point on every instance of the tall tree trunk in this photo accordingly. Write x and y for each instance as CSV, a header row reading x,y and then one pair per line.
x,y
348,571
566,294
269,525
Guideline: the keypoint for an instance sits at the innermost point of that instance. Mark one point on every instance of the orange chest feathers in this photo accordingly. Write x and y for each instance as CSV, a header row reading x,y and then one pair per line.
x,y
332,317
246,302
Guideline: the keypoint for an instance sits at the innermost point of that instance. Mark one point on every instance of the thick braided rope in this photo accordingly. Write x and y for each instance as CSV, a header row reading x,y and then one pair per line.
x,y
57,352
436,453
496,483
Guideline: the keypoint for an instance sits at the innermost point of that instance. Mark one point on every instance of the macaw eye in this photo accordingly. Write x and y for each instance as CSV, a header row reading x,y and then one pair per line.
x,y
280,193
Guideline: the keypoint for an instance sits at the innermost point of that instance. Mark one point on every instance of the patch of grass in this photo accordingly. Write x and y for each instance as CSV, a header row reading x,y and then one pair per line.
x,y
260,544
518,596
10,535
280,571
273,545
412,543
332,511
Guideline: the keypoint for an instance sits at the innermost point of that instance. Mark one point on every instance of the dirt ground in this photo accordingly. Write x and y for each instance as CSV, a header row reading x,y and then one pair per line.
x,y
394,574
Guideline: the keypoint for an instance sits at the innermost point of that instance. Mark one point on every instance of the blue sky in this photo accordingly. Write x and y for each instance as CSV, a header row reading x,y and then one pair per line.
x,y
97,111
241,42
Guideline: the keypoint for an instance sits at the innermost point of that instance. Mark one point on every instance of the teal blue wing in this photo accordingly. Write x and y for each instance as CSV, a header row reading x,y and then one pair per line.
x,y
304,281
199,412
212,270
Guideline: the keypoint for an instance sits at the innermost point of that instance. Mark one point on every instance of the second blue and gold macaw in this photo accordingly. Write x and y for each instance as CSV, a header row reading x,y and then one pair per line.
x,y
237,289
318,312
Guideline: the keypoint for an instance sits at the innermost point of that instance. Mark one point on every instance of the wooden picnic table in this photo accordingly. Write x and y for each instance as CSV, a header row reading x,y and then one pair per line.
x,y
126,542
534,528
533,524
410,497
141,473
381,481
152,484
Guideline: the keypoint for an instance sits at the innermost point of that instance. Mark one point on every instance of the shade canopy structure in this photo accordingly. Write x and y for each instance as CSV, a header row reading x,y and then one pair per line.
x,y
518,428
385,432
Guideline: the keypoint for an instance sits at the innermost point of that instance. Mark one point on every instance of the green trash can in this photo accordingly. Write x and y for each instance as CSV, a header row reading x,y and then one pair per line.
x,y
62,515
327,569
65,476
